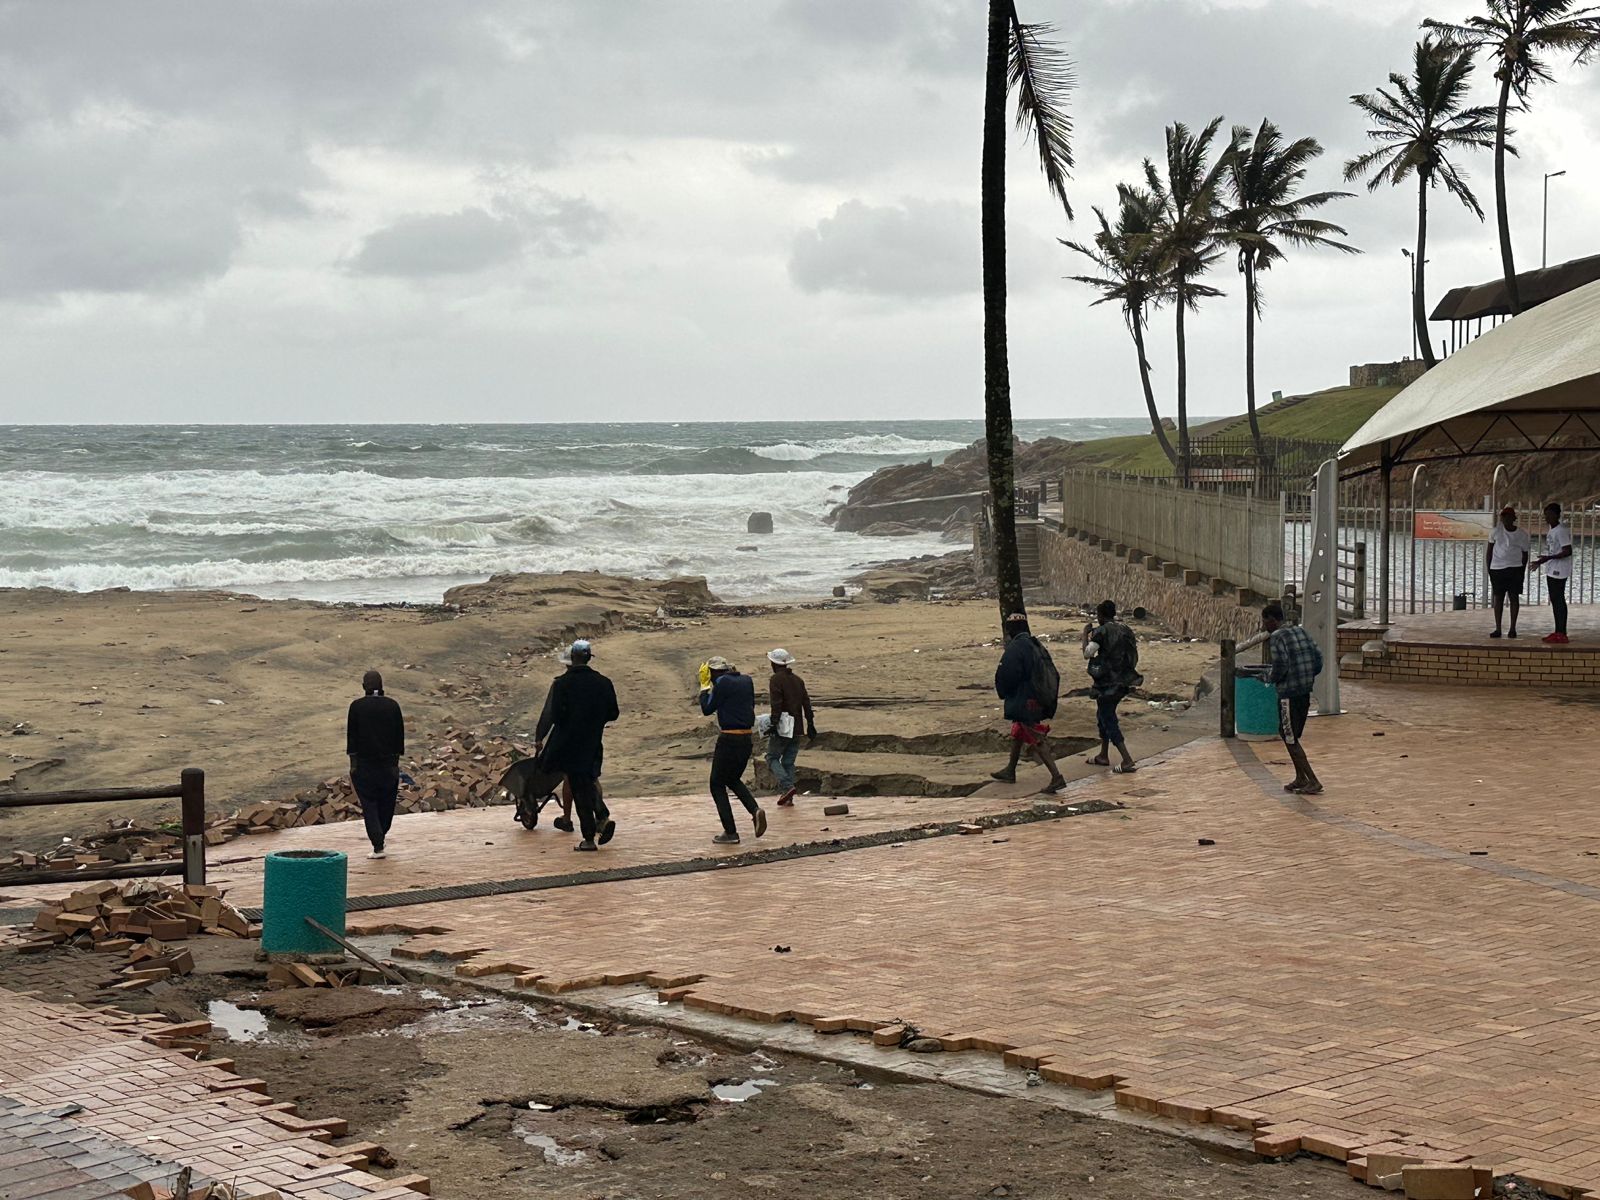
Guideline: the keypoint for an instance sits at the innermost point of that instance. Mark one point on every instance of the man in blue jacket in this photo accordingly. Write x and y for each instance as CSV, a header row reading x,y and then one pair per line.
x,y
1013,683
732,698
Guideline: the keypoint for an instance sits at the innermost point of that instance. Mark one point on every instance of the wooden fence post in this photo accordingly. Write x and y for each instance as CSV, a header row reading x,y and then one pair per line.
x,y
193,782
1230,650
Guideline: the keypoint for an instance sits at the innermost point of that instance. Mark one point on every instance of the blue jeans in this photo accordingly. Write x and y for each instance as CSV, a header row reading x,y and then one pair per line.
x,y
1105,719
781,753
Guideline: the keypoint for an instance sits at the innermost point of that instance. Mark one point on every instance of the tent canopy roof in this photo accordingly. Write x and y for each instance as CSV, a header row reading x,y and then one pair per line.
x,y
1533,287
1531,384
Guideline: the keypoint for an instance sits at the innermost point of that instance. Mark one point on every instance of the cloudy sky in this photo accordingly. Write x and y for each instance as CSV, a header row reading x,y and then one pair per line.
x,y
530,210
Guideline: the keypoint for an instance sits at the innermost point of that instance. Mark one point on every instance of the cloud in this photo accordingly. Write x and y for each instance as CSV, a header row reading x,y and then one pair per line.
x,y
475,239
920,249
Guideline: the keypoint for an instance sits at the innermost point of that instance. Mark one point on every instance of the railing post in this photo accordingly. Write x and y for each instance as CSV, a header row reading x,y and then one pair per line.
x,y
1360,605
193,782
1230,652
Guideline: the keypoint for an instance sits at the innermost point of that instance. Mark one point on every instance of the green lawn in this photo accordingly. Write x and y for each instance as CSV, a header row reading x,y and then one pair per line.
x,y
1328,416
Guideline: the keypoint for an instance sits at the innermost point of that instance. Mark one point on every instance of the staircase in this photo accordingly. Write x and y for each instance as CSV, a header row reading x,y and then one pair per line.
x,y
1028,552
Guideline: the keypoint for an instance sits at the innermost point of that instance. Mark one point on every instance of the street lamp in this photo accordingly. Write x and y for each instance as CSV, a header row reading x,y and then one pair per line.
x,y
1412,259
1544,255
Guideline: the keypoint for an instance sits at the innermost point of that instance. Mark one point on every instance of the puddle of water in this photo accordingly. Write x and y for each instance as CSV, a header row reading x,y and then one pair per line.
x,y
573,1025
555,1153
738,1093
235,1023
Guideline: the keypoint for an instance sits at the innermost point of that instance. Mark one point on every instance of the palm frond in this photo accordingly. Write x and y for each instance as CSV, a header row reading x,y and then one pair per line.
x,y
1040,72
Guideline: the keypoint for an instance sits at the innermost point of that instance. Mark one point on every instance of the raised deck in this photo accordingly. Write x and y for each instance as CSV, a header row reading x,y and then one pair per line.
x,y
1455,647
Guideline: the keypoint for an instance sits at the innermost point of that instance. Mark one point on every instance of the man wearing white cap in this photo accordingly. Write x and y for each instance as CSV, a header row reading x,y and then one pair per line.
x,y
572,728
731,697
790,704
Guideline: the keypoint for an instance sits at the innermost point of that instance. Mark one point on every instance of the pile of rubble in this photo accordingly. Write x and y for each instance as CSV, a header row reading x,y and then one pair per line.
x,y
462,772
302,975
140,918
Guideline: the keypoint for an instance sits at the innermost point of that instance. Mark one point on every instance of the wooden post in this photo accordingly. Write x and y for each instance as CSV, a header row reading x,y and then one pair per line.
x,y
1230,650
193,782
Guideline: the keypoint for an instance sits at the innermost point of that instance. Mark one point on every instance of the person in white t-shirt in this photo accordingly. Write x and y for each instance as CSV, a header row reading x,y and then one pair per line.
x,y
1557,563
1507,563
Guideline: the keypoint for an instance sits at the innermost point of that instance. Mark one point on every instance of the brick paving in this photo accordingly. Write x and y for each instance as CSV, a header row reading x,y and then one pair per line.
x,y
108,1108
1345,977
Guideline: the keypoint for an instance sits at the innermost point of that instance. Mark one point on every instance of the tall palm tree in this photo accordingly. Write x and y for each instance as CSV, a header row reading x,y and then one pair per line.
x,y
1417,124
1521,35
1129,274
1024,59
1191,237
1266,218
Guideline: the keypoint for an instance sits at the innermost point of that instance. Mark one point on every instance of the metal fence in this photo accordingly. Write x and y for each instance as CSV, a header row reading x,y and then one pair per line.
x,y
1236,538
1430,574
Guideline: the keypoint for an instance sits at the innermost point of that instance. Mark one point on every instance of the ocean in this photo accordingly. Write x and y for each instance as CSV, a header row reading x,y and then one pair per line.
x,y
382,513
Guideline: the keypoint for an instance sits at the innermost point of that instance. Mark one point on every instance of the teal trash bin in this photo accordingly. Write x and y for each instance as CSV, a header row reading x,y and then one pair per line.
x,y
1255,707
301,884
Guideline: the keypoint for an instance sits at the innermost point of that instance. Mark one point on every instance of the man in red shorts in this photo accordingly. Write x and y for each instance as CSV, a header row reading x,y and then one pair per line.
x,y
1014,684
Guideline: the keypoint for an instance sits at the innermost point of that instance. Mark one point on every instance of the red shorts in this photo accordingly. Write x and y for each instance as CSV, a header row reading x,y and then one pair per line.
x,y
1028,735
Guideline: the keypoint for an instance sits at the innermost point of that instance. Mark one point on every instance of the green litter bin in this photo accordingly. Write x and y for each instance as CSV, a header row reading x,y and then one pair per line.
x,y
301,884
1255,707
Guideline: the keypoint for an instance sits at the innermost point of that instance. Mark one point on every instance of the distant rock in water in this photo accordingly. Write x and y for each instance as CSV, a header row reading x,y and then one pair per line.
x,y
759,522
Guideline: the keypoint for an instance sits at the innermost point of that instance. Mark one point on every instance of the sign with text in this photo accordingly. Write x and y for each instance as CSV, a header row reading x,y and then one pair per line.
x,y
1451,526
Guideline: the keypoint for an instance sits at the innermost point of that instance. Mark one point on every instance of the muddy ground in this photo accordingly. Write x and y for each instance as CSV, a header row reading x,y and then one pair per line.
x,y
124,688
498,1099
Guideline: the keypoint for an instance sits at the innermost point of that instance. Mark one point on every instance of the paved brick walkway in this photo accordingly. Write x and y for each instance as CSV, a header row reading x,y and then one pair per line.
x,y
1342,977
87,1104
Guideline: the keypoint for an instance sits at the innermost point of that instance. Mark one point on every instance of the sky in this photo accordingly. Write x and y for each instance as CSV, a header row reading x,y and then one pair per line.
x,y
618,210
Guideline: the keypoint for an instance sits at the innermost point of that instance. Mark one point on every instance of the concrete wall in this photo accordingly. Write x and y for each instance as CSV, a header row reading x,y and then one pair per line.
x,y
1235,538
1395,374
1075,572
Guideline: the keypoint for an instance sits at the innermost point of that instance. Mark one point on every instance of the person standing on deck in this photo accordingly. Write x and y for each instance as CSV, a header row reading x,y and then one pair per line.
x,y
732,698
790,704
1506,560
375,738
1557,563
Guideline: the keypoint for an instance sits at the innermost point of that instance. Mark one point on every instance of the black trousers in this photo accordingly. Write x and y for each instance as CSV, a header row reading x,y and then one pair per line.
x,y
592,810
1558,602
728,762
377,784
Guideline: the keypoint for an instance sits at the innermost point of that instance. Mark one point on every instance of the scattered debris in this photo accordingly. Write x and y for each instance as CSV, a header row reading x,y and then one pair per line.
x,y
141,918
835,810
1207,842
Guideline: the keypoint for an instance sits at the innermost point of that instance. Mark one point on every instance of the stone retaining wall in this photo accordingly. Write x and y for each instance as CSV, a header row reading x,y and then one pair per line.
x,y
1077,573
1394,374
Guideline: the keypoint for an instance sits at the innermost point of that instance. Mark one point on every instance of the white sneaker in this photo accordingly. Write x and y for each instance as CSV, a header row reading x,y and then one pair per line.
x,y
377,854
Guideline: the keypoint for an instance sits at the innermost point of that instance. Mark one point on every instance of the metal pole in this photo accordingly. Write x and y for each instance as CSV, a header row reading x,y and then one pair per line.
x,y
1383,538
193,782
1544,254
1411,543
1230,652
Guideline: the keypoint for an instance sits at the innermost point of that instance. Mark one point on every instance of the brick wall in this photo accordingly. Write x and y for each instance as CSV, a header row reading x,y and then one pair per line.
x,y
1395,374
1500,666
1077,573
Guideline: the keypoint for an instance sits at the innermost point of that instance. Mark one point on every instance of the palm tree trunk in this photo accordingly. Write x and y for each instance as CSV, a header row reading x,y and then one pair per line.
x,y
1181,301
1507,262
1137,324
1419,289
997,427
1250,353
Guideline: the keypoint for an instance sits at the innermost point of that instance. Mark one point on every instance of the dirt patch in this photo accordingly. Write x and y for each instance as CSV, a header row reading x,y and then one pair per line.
x,y
350,1009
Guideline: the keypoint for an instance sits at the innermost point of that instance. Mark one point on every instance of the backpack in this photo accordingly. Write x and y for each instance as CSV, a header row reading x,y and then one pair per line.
x,y
1045,683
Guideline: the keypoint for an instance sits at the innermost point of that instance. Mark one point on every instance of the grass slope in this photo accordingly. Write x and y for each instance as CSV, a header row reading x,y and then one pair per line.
x,y
1328,416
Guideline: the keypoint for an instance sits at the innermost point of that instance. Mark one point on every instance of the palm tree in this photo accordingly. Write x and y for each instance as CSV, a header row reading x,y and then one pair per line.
x,y
1024,59
1521,34
1124,255
1191,237
1266,218
1416,125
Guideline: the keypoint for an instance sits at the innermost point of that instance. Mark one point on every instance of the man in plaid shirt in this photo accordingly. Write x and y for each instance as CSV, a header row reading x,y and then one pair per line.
x,y
1296,663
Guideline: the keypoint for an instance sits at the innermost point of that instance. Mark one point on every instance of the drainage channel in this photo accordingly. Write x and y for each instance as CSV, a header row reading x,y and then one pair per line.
x,y
692,866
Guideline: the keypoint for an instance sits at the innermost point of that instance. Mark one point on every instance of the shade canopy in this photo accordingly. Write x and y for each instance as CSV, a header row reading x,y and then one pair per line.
x,y
1534,288
1532,384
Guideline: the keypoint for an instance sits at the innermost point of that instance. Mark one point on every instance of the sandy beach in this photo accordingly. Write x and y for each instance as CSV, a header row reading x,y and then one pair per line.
x,y
120,688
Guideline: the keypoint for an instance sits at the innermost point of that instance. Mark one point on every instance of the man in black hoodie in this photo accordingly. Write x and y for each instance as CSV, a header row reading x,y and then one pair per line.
x,y
572,730
375,738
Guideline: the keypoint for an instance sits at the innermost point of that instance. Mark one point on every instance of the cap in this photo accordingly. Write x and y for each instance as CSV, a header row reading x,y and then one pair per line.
x,y
1016,617
781,657
718,663
581,649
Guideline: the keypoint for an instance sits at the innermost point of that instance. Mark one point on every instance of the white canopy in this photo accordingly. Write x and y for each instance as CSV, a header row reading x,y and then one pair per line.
x,y
1531,384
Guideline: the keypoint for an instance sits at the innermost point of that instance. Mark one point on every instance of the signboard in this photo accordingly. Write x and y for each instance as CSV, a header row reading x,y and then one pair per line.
x,y
1451,526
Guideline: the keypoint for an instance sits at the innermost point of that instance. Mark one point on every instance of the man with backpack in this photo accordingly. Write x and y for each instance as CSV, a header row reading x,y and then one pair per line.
x,y
1112,653
1296,663
1030,687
